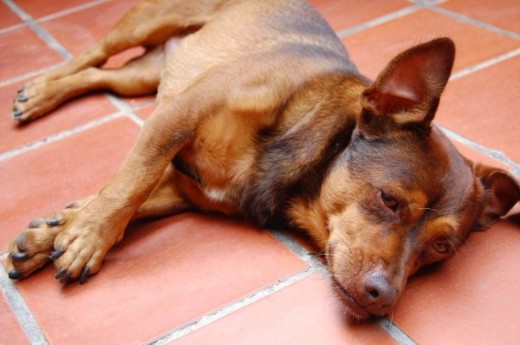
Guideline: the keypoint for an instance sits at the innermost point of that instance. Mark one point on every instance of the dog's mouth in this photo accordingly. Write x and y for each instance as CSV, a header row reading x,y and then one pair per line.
x,y
356,310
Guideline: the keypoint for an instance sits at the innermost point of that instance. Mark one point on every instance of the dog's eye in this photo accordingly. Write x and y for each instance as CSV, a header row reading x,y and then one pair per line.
x,y
388,200
443,246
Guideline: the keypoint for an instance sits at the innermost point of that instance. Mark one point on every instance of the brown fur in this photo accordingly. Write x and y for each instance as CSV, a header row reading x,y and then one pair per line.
x,y
261,114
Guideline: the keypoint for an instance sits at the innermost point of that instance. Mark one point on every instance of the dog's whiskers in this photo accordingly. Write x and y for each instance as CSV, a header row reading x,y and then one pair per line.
x,y
453,246
427,208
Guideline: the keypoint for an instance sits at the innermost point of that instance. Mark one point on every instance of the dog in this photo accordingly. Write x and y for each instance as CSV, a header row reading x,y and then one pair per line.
x,y
261,114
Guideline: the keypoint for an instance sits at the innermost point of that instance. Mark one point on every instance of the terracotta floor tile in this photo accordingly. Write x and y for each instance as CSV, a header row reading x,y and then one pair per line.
x,y
46,179
12,52
503,14
67,116
484,107
140,102
476,156
41,8
164,274
372,49
7,17
12,332
472,298
80,30
347,13
146,111
303,313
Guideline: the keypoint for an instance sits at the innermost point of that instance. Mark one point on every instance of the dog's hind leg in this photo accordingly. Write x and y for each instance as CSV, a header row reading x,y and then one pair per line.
x,y
139,76
149,24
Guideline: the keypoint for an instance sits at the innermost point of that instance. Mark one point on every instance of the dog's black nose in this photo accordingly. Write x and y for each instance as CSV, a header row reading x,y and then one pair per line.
x,y
379,293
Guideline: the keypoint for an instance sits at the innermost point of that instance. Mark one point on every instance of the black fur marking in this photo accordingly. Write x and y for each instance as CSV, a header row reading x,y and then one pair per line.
x,y
294,162
180,165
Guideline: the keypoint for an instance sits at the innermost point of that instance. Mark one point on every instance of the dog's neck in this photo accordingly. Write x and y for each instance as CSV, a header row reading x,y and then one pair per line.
x,y
295,155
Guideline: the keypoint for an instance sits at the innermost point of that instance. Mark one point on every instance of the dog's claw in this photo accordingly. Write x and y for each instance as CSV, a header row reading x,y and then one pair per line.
x,y
84,275
22,97
56,254
53,221
15,274
17,114
19,256
63,276
20,241
73,204
35,223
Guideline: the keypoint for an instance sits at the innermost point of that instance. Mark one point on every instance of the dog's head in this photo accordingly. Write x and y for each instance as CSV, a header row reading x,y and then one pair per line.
x,y
402,197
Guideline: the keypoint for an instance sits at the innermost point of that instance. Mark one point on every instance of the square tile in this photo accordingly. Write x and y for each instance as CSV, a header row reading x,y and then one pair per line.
x,y
304,313
140,102
8,17
12,332
373,48
474,298
484,107
503,14
146,111
163,275
477,156
80,30
347,13
69,115
41,8
24,45
46,179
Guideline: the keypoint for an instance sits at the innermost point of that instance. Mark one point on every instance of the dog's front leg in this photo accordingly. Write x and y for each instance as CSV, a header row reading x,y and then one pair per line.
x,y
82,245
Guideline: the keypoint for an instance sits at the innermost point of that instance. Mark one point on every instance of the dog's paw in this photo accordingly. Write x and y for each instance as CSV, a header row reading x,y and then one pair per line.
x,y
79,250
36,99
32,248
35,246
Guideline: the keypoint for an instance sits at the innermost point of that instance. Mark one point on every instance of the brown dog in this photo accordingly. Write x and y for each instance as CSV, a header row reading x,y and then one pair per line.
x,y
261,114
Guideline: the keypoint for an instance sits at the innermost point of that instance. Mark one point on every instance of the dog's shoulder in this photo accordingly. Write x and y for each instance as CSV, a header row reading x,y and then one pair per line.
x,y
294,154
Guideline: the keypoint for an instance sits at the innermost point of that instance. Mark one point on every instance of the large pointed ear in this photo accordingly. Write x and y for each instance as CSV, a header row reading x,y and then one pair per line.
x,y
409,88
502,192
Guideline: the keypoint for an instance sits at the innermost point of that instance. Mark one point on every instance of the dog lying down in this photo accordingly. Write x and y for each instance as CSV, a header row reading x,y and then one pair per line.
x,y
261,114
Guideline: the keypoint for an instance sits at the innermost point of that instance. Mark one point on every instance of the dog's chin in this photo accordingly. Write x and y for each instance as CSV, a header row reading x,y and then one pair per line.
x,y
354,310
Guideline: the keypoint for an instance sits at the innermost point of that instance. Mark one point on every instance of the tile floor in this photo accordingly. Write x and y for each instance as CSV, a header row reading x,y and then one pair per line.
x,y
257,286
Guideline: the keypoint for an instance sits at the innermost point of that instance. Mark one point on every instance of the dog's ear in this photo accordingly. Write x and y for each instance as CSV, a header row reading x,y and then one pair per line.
x,y
409,88
502,192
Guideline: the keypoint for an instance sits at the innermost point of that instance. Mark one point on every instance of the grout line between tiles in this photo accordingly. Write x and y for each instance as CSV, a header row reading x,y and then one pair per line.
x,y
29,75
44,35
20,309
58,136
17,10
12,28
495,154
125,108
396,332
378,21
485,64
69,11
231,308
465,19
301,252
